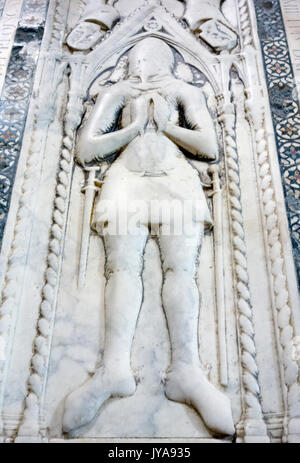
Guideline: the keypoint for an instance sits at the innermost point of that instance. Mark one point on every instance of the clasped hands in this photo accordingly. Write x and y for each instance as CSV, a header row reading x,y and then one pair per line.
x,y
147,108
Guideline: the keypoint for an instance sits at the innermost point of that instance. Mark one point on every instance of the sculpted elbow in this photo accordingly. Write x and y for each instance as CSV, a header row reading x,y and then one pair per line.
x,y
82,152
214,152
209,149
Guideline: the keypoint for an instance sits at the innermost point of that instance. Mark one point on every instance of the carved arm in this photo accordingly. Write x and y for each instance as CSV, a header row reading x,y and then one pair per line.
x,y
95,140
201,140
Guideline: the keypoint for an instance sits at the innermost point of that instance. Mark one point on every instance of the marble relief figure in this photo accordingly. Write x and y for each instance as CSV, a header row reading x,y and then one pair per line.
x,y
148,222
152,119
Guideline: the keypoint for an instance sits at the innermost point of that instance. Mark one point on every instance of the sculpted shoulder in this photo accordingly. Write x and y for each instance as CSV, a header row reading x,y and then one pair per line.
x,y
178,89
189,90
121,88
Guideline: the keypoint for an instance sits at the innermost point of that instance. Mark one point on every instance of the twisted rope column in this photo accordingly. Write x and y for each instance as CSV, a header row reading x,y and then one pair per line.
x,y
15,264
245,23
30,426
284,318
254,426
284,323
10,297
15,268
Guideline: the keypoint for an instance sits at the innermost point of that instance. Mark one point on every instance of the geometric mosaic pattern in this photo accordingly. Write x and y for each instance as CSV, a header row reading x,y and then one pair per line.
x,y
16,94
285,110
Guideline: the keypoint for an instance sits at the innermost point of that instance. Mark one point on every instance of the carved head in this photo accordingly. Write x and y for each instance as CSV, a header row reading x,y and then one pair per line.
x,y
150,58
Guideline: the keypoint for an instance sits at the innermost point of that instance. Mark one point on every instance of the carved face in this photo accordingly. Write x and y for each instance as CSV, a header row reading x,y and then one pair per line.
x,y
150,58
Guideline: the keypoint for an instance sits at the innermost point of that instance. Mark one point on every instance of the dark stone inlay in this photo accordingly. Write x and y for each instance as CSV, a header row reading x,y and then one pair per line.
x,y
16,95
284,104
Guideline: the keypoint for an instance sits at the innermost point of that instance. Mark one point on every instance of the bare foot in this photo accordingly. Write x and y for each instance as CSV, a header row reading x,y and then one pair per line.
x,y
187,384
82,405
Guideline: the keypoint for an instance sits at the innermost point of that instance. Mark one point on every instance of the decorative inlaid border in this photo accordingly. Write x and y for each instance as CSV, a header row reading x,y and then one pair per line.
x,y
16,94
284,106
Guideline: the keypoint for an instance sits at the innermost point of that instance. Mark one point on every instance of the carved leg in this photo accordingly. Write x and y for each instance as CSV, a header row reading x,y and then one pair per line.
x,y
123,298
186,381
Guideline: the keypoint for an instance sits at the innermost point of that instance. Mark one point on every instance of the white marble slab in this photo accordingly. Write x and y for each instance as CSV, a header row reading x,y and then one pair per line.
x,y
8,26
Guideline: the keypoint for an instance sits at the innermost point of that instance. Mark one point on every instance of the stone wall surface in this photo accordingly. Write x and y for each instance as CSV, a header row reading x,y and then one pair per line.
x,y
149,221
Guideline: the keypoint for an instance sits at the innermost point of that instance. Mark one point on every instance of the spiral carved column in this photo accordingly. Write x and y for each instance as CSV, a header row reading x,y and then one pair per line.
x,y
42,342
252,419
283,312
